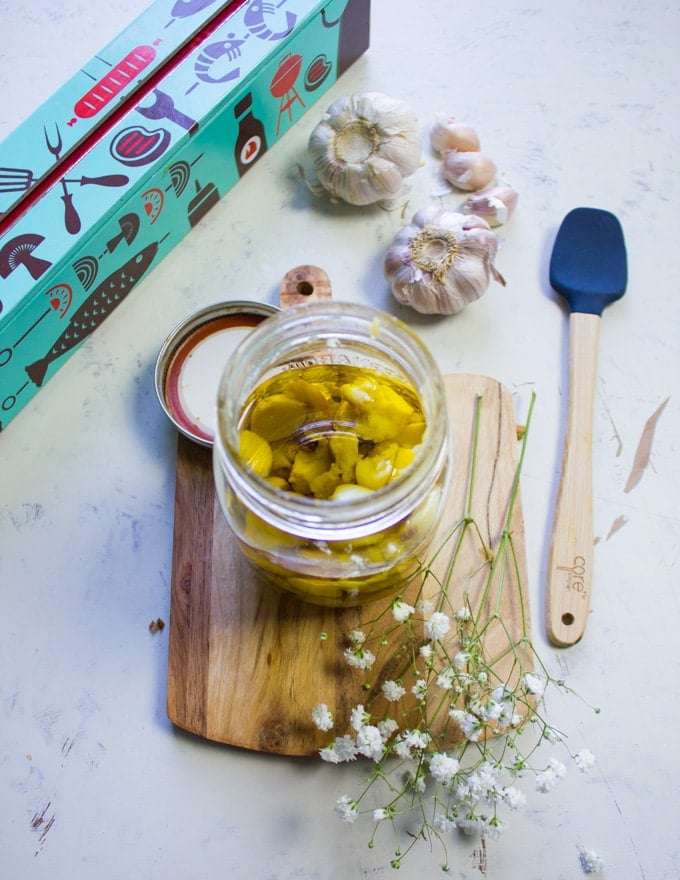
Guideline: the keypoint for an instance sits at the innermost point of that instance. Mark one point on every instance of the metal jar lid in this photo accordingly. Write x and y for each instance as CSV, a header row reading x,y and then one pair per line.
x,y
192,358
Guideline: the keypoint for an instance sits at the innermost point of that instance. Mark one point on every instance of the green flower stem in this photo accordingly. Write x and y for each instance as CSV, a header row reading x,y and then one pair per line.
x,y
505,538
437,793
473,460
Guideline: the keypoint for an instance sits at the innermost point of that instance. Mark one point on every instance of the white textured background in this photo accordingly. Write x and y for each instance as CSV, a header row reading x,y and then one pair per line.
x,y
577,102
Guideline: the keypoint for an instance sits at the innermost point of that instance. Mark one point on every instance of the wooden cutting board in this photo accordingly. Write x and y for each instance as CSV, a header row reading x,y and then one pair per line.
x,y
246,663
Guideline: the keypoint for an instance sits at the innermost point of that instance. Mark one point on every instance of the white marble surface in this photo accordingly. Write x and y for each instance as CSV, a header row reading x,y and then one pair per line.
x,y
577,102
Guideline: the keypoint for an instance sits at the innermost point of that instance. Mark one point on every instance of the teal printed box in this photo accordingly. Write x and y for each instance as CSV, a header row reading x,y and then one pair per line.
x,y
96,91
77,234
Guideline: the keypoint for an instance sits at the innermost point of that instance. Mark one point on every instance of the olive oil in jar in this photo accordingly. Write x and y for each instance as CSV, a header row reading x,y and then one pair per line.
x,y
327,430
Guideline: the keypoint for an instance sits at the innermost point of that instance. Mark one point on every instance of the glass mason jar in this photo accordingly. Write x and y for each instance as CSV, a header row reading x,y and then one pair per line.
x,y
364,538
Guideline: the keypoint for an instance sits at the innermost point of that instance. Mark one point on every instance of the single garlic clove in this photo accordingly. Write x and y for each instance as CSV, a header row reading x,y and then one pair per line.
x,y
441,261
470,171
449,134
364,147
496,205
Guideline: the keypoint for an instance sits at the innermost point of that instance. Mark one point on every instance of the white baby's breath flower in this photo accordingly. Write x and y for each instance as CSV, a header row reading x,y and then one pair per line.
x,y
584,760
445,678
418,739
359,717
401,611
491,711
483,785
387,727
518,767
508,717
418,782
410,740
370,742
346,808
393,691
496,694
343,748
470,725
558,768
501,693
401,749
359,658
552,734
591,862
443,768
461,660
469,825
425,607
475,707
547,779
494,828
437,626
534,684
513,797
443,823
415,778
322,717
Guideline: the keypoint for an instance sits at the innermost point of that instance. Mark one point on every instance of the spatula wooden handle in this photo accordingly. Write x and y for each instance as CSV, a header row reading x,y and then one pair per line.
x,y
570,562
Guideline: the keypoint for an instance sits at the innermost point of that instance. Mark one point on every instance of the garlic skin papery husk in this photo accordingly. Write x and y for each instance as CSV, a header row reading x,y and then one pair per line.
x,y
449,134
364,147
441,261
469,171
496,204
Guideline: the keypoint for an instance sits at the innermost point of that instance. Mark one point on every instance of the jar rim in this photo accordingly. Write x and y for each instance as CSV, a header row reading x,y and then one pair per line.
x,y
329,325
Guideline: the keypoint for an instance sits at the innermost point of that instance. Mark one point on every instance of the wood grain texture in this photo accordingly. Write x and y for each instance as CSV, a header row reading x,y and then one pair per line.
x,y
246,662
304,284
570,562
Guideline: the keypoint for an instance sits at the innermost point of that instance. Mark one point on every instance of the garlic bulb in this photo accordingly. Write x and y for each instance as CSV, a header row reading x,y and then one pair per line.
x,y
441,261
364,146
448,134
470,171
495,205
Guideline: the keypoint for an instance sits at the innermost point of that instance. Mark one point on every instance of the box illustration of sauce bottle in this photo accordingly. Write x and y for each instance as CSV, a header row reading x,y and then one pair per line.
x,y
251,141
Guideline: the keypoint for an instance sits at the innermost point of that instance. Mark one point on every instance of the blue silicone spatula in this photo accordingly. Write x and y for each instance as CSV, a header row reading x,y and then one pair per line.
x,y
588,267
